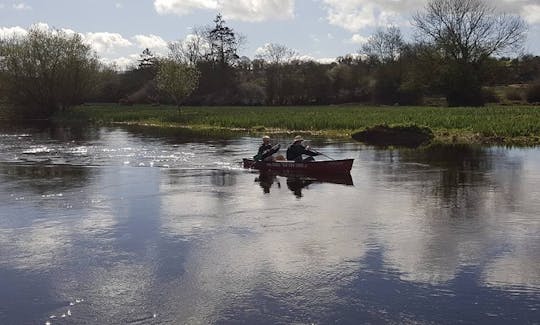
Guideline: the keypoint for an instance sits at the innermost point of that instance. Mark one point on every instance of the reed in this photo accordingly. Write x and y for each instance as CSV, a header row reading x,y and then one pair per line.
x,y
507,124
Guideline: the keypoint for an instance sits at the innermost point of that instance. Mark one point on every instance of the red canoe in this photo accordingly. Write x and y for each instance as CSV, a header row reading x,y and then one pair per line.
x,y
326,166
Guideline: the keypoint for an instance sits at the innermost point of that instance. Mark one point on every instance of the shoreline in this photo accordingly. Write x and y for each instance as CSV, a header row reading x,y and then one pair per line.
x,y
495,125
441,136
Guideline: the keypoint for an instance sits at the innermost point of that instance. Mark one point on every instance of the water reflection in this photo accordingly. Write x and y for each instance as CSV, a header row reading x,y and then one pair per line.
x,y
223,178
42,178
459,178
297,181
296,184
177,135
44,129
266,180
438,235
467,207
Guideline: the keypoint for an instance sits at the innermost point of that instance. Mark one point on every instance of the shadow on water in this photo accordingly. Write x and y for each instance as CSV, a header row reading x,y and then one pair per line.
x,y
51,130
178,135
42,178
296,182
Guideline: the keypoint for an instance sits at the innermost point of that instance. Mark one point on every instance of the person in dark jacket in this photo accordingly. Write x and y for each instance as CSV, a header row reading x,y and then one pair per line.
x,y
266,150
296,150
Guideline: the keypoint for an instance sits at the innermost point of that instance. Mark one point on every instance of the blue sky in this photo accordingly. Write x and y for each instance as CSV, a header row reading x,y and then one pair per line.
x,y
322,29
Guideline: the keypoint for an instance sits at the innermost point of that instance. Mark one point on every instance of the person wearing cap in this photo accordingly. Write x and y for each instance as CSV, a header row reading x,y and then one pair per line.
x,y
266,150
296,150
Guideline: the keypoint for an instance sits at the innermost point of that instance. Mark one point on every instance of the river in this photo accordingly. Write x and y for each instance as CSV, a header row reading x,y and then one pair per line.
x,y
119,225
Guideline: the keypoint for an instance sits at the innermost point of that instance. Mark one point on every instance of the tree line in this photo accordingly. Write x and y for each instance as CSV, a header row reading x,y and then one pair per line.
x,y
459,51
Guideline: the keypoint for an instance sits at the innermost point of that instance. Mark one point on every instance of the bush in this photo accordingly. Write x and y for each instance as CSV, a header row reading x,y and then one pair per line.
x,y
45,71
514,94
410,95
533,93
490,96
250,94
410,136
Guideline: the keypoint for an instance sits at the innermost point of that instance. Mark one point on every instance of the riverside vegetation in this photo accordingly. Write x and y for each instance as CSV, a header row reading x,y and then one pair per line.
x,y
457,58
515,125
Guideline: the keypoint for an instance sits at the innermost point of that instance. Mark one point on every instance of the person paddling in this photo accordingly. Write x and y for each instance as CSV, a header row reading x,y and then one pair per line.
x,y
296,150
266,150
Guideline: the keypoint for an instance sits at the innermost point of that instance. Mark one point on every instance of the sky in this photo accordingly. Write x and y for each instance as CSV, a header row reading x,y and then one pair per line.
x,y
119,30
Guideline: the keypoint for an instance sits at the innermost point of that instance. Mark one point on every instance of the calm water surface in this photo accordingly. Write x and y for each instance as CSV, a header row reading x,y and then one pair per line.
x,y
124,226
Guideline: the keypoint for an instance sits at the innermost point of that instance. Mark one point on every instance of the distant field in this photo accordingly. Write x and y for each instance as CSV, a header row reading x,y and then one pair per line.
x,y
490,124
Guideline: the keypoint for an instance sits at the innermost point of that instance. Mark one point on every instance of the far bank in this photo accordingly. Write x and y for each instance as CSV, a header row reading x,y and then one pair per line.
x,y
501,125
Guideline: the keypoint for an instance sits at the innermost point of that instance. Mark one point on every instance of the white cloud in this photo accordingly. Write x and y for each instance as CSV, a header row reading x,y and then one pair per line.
x,y
244,10
309,58
531,13
261,50
41,26
121,63
182,7
8,32
106,42
354,15
295,55
326,60
17,31
111,47
257,10
21,6
153,42
69,32
358,39
118,5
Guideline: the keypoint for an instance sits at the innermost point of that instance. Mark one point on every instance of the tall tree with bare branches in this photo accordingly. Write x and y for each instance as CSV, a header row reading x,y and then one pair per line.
x,y
466,33
384,45
275,56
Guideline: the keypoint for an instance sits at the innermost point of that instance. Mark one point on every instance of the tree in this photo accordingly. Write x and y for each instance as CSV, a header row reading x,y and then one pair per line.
x,y
275,56
147,59
384,51
467,33
214,50
384,45
177,79
47,70
193,49
224,43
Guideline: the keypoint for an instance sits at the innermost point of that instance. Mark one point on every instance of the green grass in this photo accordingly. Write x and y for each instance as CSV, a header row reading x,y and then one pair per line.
x,y
490,124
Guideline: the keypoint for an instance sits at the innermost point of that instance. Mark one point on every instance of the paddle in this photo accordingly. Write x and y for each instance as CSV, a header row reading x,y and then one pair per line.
x,y
322,154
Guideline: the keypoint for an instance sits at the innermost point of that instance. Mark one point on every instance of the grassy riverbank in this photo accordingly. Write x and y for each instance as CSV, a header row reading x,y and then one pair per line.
x,y
516,125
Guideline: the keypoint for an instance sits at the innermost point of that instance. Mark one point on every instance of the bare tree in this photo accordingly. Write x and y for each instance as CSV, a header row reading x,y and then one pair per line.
x,y
276,54
193,49
466,33
216,43
469,30
384,45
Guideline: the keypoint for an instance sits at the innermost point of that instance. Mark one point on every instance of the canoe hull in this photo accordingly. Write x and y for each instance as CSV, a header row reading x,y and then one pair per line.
x,y
314,167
